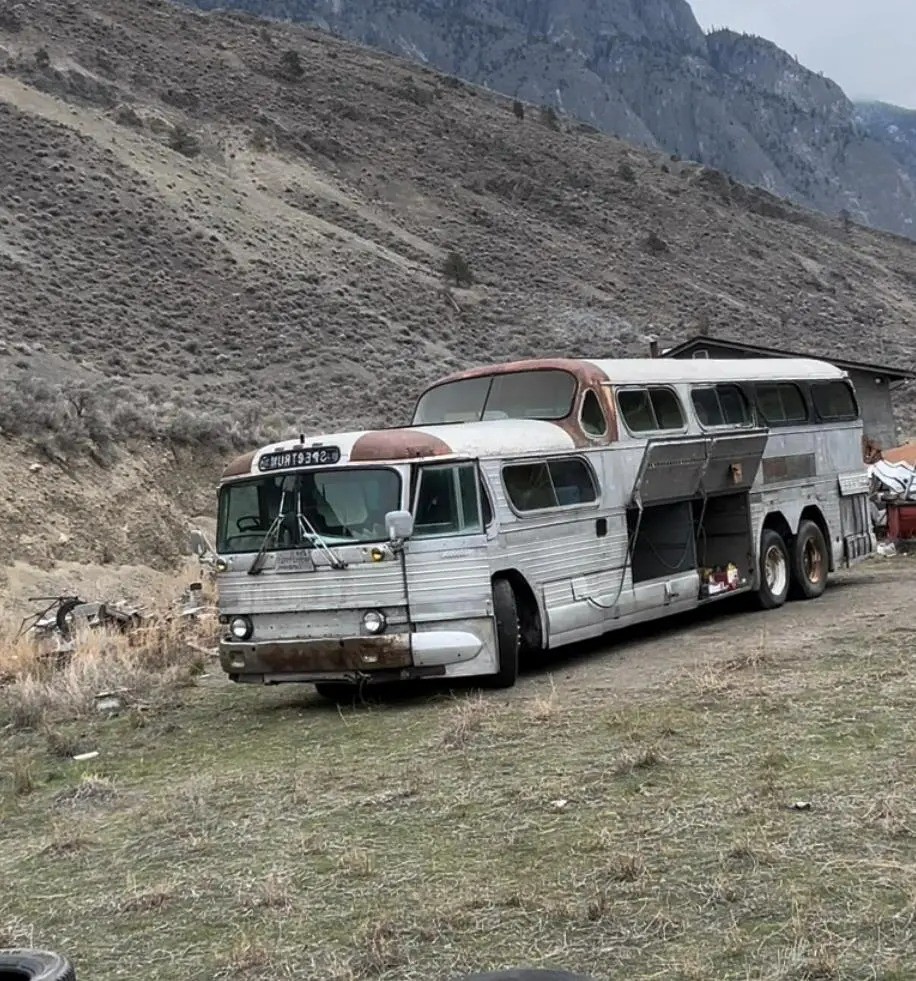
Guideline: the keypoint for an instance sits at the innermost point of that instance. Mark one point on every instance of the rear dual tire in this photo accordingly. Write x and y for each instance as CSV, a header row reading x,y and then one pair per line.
x,y
792,571
810,562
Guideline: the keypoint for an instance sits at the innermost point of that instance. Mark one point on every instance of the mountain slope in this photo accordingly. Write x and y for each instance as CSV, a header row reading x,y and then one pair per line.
x,y
206,214
893,126
646,73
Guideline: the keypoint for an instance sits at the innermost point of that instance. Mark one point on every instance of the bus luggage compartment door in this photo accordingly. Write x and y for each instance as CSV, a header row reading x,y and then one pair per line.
x,y
671,470
858,537
733,462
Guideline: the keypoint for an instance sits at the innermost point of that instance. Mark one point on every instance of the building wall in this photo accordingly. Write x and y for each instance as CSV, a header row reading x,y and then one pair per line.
x,y
873,392
874,395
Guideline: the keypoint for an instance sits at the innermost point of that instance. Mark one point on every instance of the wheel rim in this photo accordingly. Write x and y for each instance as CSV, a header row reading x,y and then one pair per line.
x,y
775,571
813,562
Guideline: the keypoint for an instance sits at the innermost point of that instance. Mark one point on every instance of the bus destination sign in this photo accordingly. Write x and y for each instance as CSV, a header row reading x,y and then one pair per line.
x,y
316,456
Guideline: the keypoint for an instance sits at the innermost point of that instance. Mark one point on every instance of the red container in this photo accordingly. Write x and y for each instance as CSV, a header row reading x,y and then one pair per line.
x,y
901,521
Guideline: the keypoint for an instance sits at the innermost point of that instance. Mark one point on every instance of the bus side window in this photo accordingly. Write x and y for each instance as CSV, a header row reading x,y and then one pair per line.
x,y
637,411
723,405
706,404
485,505
834,401
529,487
782,404
447,501
549,484
649,409
592,415
667,408
735,410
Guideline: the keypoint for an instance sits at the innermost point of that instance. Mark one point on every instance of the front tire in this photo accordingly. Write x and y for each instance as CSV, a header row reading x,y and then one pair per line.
x,y
336,691
810,562
774,570
508,633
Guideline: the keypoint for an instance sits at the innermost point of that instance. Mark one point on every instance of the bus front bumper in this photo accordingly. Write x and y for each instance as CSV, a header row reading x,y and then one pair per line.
x,y
387,657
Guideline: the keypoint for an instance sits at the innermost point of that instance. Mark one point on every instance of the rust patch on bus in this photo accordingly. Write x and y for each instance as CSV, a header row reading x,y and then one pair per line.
x,y
349,654
587,374
240,465
397,444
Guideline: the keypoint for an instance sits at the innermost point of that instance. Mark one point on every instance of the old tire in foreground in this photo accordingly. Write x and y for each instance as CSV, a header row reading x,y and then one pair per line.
x,y
774,570
810,562
22,964
508,633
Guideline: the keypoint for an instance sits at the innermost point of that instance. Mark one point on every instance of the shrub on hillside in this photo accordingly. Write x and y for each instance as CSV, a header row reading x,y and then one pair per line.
x,y
82,419
456,267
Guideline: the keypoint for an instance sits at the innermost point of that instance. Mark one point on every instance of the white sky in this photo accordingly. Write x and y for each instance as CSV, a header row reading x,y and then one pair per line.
x,y
867,46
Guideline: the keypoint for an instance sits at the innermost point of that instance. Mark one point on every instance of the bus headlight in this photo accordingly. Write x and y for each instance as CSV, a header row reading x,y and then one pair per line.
x,y
374,622
240,628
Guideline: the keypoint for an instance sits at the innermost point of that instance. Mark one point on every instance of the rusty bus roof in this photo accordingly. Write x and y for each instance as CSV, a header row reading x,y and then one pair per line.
x,y
629,371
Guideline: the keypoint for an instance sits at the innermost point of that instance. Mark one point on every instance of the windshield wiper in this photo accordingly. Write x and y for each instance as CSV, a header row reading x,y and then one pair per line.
x,y
307,529
271,534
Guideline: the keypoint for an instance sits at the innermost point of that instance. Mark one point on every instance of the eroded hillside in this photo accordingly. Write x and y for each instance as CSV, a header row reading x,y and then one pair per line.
x,y
214,215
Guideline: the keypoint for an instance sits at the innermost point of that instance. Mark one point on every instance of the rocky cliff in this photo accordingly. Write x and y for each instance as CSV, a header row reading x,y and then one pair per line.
x,y
643,70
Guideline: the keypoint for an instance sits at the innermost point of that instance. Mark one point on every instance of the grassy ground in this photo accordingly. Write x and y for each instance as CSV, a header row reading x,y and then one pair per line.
x,y
233,833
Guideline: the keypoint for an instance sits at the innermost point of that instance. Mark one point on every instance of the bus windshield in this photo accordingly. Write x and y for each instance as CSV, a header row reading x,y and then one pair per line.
x,y
539,394
344,506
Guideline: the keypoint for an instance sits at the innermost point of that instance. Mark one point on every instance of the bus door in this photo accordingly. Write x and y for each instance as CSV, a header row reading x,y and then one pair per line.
x,y
446,563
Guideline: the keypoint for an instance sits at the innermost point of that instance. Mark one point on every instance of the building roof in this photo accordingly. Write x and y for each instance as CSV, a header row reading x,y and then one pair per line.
x,y
703,340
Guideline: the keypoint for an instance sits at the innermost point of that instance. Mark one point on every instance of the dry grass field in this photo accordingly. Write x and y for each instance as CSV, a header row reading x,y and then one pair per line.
x,y
628,811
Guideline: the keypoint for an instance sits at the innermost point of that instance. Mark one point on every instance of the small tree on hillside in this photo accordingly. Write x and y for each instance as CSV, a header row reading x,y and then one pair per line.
x,y
518,109
291,65
456,267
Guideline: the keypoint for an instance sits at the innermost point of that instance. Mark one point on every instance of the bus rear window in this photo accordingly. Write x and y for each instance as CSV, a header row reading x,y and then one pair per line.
x,y
834,401
544,394
782,404
549,484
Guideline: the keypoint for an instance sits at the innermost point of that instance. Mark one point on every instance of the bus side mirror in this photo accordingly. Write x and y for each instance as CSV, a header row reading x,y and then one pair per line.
x,y
201,547
399,525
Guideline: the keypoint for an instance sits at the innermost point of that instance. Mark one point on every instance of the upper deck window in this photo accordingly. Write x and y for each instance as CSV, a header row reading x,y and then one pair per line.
x,y
834,401
549,484
721,405
782,404
650,409
539,394
592,416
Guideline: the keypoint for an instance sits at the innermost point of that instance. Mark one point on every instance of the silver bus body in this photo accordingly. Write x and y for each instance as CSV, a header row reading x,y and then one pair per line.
x,y
534,505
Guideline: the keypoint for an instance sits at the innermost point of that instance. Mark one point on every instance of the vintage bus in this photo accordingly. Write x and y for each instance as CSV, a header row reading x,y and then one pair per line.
x,y
533,505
